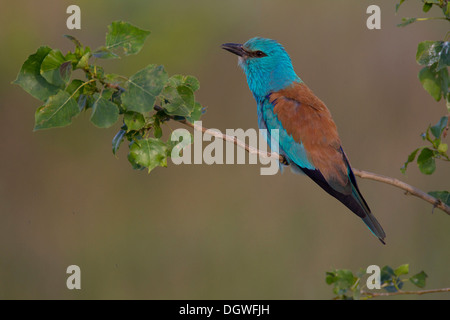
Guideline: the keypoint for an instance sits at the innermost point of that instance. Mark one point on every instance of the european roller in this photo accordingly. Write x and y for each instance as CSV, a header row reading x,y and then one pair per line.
x,y
308,137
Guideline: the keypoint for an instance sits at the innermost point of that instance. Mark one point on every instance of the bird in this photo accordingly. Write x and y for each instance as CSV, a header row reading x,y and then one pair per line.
x,y
308,136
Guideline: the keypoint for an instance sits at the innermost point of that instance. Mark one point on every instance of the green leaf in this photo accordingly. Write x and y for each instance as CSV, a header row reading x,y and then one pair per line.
x,y
65,71
51,68
446,10
390,280
426,161
426,136
433,52
444,81
115,79
425,54
82,102
344,284
427,7
134,120
345,278
406,21
143,87
157,131
72,57
178,101
330,278
30,79
73,39
410,159
104,53
148,153
430,82
419,279
387,274
84,61
117,140
58,111
190,81
438,128
444,196
127,36
104,112
107,93
444,56
79,50
401,270
397,6
448,102
196,113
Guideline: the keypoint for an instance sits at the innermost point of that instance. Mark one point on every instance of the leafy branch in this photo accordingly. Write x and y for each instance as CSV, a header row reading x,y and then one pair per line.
x,y
427,5
349,286
47,76
437,150
434,56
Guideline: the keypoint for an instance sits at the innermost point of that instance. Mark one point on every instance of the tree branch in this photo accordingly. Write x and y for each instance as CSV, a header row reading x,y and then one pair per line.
x,y
437,203
397,293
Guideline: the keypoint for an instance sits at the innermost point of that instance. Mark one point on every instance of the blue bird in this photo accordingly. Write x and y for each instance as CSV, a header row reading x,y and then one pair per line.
x,y
308,136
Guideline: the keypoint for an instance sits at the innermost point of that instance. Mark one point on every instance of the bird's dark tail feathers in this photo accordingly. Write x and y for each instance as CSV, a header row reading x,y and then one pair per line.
x,y
367,216
354,201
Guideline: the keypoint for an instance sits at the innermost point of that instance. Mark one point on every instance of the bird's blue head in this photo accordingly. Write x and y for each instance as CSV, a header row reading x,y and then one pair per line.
x,y
266,64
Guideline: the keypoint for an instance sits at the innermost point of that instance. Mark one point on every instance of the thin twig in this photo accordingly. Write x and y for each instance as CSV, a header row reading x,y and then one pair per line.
x,y
432,18
437,203
397,293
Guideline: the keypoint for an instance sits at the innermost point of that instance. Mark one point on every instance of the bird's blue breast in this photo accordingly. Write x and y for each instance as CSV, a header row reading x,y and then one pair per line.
x,y
293,150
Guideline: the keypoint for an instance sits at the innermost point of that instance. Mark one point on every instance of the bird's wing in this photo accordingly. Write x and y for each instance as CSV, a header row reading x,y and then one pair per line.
x,y
308,122
308,137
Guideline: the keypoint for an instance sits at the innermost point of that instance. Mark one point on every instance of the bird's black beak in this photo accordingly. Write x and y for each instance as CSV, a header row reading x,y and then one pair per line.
x,y
235,48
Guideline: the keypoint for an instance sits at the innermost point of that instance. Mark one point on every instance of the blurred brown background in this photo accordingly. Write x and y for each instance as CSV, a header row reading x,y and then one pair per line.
x,y
221,231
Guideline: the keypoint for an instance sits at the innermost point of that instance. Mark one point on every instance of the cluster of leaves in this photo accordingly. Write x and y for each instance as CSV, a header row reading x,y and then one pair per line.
x,y
349,286
434,56
427,155
444,5
47,76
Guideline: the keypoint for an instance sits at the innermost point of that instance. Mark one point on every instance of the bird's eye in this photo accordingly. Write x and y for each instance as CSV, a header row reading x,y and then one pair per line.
x,y
256,54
